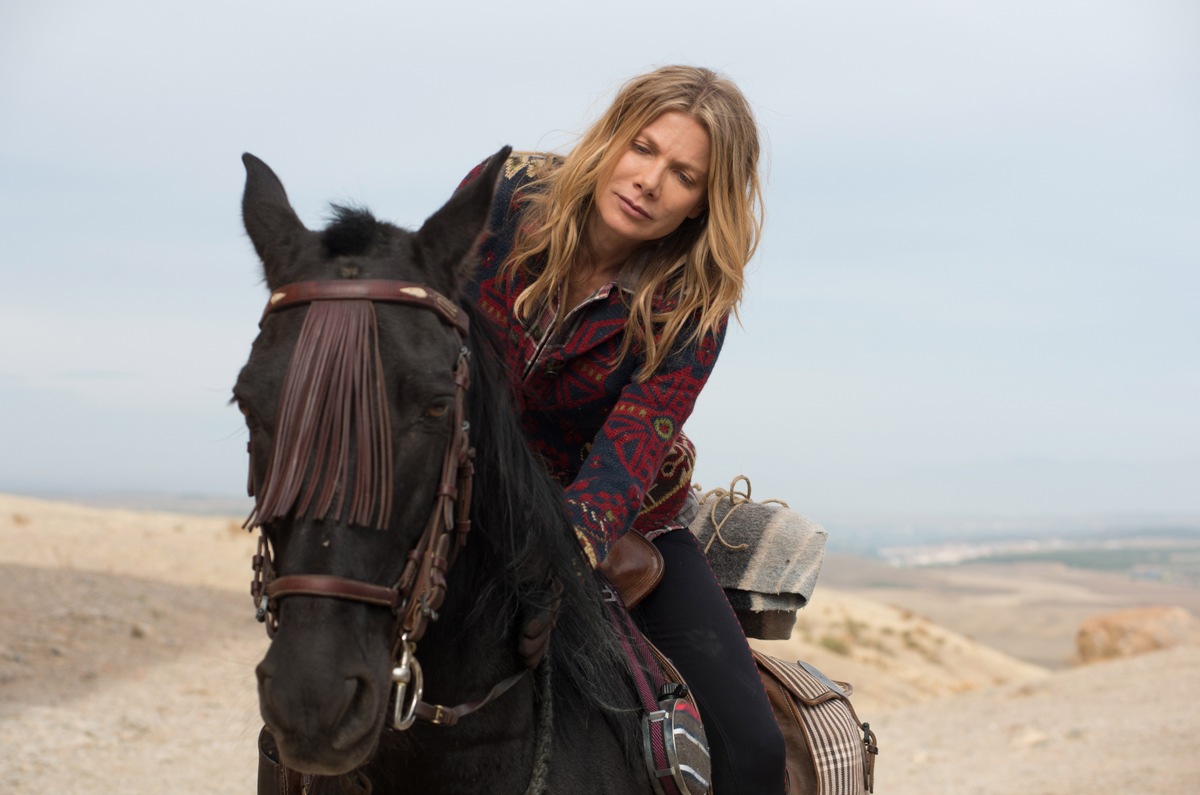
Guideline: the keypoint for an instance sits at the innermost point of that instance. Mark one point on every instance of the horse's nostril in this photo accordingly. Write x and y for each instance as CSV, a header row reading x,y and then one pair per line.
x,y
352,688
358,719
272,715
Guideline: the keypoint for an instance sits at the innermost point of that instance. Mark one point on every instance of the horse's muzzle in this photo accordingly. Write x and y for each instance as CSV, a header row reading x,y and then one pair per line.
x,y
325,709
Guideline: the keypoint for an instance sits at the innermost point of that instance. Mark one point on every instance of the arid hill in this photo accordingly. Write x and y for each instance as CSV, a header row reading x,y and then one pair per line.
x,y
127,648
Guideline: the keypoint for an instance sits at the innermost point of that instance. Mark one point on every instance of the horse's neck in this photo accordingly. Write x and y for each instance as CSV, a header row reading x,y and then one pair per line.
x,y
462,659
463,656
472,644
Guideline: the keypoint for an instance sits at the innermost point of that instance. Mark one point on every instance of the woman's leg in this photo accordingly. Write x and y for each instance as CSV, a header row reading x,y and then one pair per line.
x,y
689,619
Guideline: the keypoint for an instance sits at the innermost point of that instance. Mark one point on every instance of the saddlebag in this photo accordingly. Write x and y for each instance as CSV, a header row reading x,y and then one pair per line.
x,y
829,751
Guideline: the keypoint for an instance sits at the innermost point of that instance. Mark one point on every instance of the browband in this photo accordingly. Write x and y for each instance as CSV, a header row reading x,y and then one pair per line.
x,y
393,291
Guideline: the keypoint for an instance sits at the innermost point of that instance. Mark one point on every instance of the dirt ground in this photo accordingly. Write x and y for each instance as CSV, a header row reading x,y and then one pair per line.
x,y
127,650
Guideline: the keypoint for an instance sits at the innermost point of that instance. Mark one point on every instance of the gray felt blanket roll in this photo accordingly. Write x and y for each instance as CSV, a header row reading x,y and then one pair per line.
x,y
765,555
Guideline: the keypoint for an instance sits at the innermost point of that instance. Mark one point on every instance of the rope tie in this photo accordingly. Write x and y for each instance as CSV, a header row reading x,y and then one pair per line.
x,y
736,500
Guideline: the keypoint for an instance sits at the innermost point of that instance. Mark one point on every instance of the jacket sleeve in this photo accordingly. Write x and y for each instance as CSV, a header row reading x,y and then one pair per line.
x,y
626,454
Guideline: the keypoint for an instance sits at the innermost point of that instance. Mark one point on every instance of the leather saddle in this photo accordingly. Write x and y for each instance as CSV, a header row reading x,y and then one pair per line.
x,y
829,751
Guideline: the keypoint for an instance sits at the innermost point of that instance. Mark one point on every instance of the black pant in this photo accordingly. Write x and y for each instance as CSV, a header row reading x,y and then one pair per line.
x,y
689,619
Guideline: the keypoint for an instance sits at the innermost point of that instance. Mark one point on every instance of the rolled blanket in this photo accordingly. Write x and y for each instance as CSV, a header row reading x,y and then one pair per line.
x,y
765,555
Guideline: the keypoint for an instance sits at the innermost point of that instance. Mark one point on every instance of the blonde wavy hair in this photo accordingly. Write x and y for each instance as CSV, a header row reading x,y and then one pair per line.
x,y
699,267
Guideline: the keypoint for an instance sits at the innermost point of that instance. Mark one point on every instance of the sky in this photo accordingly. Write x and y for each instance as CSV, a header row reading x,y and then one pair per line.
x,y
978,291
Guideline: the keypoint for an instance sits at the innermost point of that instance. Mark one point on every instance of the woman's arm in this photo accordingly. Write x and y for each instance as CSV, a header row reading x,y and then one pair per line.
x,y
627,453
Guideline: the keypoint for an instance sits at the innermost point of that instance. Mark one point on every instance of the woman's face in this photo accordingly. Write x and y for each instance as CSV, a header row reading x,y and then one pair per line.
x,y
661,179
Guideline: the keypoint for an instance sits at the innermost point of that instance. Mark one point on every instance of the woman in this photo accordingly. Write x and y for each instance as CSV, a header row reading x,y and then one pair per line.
x,y
611,274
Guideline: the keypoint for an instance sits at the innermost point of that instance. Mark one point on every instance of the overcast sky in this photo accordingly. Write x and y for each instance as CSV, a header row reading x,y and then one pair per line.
x,y
978,292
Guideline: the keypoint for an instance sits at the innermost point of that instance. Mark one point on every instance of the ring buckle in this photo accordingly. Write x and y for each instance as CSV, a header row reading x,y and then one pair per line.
x,y
409,683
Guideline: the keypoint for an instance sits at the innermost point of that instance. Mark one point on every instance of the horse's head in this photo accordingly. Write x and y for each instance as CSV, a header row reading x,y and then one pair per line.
x,y
352,395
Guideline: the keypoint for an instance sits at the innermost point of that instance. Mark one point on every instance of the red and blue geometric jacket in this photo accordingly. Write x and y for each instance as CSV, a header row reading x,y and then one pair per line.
x,y
615,445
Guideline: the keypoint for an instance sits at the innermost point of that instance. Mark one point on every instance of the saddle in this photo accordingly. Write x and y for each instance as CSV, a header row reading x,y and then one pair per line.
x,y
829,750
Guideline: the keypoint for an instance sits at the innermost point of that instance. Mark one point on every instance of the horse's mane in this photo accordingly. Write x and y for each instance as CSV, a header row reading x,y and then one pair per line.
x,y
519,508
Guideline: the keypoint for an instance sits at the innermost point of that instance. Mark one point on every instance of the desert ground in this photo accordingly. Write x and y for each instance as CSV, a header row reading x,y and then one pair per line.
x,y
127,649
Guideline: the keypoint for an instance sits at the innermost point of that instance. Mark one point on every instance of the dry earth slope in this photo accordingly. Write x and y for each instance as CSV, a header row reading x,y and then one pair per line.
x,y
127,650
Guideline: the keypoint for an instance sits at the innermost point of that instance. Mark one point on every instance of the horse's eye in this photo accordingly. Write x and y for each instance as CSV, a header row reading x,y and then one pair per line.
x,y
437,411
252,421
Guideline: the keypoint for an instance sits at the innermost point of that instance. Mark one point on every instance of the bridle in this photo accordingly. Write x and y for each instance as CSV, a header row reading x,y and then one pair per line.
x,y
418,593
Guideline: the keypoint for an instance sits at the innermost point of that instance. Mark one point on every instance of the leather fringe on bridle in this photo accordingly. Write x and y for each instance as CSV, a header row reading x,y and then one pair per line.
x,y
333,392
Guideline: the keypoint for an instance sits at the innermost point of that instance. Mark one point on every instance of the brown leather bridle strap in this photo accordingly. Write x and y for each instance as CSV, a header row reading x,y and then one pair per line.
x,y
336,587
420,589
424,578
394,291
448,716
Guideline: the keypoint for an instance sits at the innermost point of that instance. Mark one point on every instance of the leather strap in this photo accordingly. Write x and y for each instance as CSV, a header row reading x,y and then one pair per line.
x,y
421,587
336,587
448,716
420,590
394,291
273,777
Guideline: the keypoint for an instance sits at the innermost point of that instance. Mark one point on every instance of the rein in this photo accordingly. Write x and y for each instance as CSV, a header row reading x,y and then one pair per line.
x,y
418,593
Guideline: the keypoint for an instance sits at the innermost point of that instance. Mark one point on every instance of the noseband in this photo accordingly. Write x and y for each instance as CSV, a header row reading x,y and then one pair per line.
x,y
419,591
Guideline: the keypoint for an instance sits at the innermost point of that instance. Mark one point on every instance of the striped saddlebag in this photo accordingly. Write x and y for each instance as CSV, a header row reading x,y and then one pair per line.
x,y
829,751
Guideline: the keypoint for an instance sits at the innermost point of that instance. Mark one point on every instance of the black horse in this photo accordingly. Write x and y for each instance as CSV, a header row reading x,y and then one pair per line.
x,y
354,398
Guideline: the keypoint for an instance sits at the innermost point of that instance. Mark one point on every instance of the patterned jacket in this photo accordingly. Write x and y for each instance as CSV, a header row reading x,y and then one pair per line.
x,y
615,445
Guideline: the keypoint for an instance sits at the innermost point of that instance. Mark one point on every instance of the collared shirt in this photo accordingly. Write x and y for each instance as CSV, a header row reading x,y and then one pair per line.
x,y
551,329
614,444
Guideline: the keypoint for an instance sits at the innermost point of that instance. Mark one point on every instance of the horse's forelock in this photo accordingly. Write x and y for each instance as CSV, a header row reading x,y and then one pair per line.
x,y
352,232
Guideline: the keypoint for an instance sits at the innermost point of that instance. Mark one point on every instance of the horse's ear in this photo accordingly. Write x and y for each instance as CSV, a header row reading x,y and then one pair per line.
x,y
450,236
270,221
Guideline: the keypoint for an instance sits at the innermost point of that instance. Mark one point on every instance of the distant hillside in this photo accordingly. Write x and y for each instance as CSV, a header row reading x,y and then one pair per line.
x,y
892,656
1028,609
870,536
